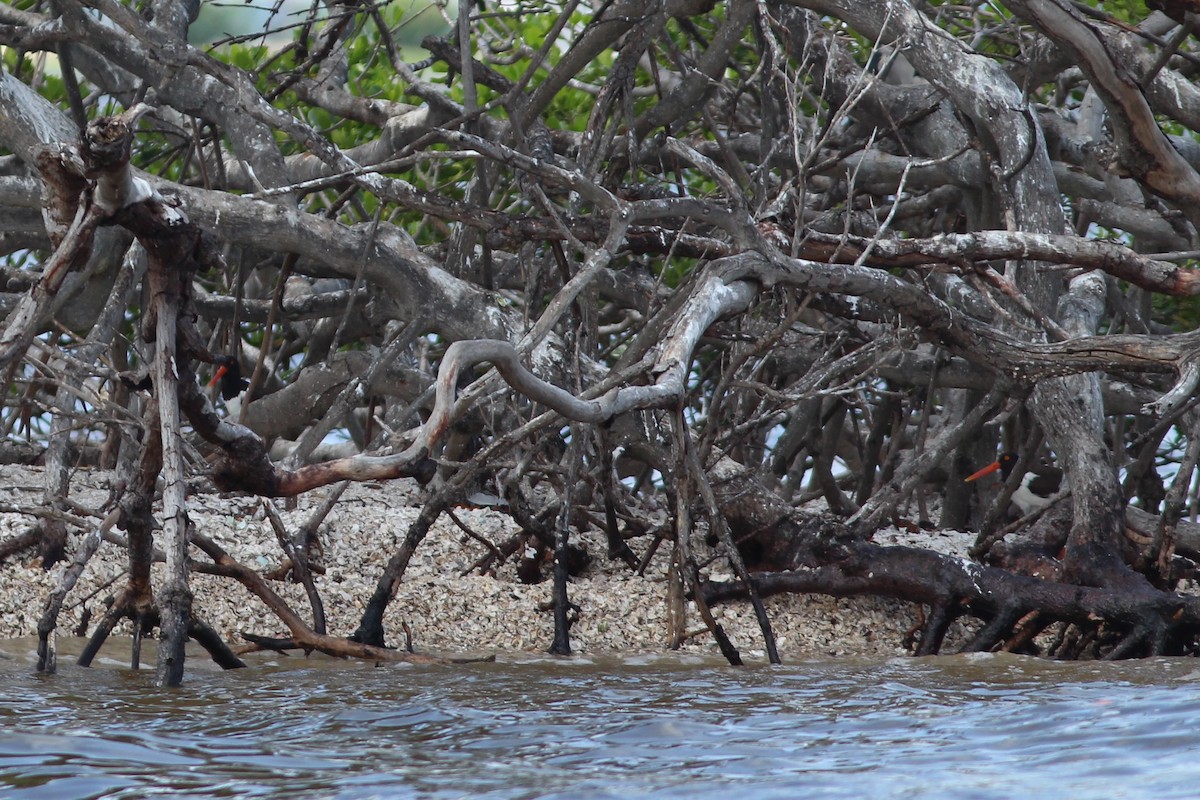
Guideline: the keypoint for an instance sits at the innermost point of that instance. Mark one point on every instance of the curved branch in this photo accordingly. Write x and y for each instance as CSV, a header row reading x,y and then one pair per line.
x,y
1024,363
302,635
1112,258
1141,147
247,467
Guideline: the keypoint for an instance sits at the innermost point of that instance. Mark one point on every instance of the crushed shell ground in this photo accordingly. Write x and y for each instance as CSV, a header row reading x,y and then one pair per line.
x,y
447,607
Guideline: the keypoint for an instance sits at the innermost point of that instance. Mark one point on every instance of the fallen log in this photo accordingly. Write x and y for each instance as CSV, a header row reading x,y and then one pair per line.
x,y
831,561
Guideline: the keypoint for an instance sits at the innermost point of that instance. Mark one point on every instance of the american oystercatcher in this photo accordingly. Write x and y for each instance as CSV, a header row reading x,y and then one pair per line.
x,y
1039,484
228,376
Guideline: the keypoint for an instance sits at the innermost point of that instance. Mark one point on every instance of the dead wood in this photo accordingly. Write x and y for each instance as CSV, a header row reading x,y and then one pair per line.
x,y
22,541
832,561
301,635
817,251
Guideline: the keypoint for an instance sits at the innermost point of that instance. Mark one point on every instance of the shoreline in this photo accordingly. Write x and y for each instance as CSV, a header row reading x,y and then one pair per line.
x,y
446,611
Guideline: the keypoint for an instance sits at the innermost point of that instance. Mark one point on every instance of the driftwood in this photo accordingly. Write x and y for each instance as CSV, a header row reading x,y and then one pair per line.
x,y
696,307
303,637
176,249
1143,623
823,554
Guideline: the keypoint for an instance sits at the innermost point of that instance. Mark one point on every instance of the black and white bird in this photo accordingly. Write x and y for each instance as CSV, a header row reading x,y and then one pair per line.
x,y
1039,484
228,376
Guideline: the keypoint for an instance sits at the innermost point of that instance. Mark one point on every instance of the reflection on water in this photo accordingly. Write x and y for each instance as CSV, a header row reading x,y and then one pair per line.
x,y
957,727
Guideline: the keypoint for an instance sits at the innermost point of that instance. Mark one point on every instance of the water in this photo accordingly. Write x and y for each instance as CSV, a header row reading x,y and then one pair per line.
x,y
951,727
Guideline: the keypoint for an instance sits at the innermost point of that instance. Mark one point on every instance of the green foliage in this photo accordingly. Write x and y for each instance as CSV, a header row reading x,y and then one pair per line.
x,y
249,57
1182,314
39,70
1131,12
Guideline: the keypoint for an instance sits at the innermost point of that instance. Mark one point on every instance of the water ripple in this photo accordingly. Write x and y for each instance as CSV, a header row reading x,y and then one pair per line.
x,y
977,727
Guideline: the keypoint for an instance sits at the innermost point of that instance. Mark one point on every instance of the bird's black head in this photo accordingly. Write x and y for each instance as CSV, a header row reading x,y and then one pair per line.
x,y
1007,462
229,376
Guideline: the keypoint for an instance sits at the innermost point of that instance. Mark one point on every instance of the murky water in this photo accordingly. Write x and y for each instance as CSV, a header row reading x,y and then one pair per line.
x,y
951,727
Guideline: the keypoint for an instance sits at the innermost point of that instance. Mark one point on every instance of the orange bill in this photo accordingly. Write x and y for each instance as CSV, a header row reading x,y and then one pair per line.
x,y
220,373
988,470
